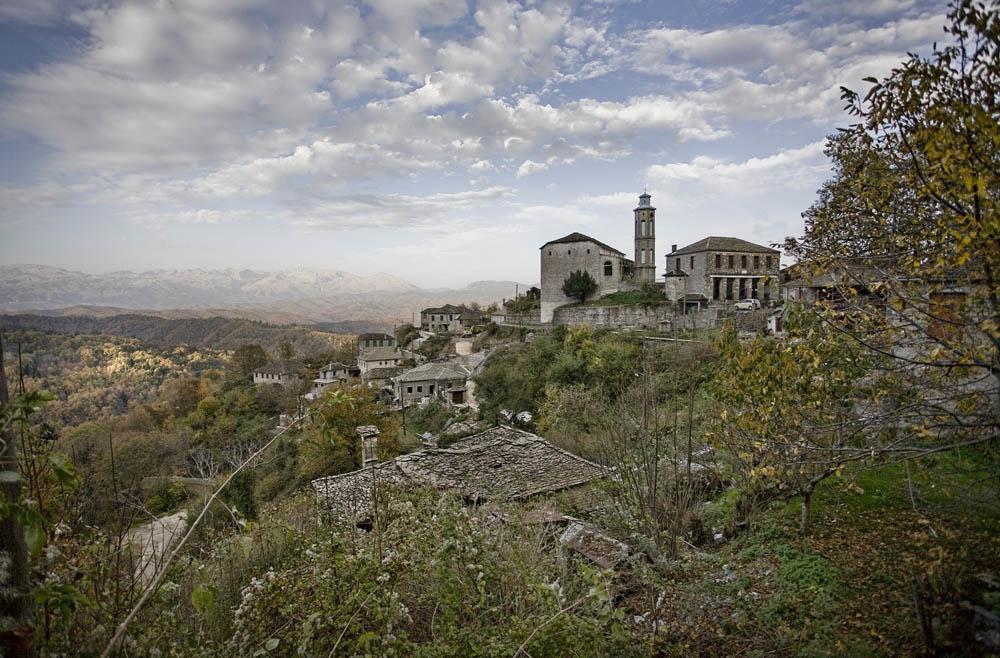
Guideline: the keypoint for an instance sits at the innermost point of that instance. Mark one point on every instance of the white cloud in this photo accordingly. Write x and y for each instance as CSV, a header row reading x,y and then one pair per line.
x,y
529,167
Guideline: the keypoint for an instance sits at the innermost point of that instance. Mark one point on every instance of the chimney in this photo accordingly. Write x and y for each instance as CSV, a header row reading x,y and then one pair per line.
x,y
673,248
369,440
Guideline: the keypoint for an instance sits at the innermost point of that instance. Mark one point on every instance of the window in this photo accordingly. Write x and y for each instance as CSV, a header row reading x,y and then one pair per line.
x,y
732,261
569,252
588,251
678,264
743,262
642,257
768,262
718,261
409,389
608,268
756,262
550,252
420,389
432,388
692,263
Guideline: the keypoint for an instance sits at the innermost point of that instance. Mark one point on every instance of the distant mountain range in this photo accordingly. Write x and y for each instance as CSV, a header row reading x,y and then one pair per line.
x,y
304,295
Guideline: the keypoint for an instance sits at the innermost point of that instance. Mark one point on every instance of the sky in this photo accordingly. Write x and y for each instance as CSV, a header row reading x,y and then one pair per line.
x,y
440,141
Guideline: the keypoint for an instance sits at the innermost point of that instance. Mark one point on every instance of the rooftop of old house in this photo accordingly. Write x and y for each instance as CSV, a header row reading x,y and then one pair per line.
x,y
716,243
435,371
381,373
375,336
580,237
279,368
382,354
446,309
501,463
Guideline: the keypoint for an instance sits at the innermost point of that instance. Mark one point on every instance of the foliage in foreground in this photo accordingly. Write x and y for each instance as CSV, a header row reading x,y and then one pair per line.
x,y
435,578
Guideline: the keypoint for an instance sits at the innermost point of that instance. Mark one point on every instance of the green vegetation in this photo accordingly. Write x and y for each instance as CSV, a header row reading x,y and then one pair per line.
x,y
579,285
648,295
831,493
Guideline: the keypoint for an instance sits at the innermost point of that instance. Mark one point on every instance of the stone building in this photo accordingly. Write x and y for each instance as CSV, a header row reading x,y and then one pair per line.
x,y
379,357
609,267
284,373
371,341
717,270
439,319
444,381
501,463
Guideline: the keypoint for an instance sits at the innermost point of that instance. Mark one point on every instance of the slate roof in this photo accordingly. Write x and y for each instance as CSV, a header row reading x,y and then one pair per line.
x,y
446,309
279,368
382,354
376,337
715,243
381,373
580,237
435,371
336,365
501,463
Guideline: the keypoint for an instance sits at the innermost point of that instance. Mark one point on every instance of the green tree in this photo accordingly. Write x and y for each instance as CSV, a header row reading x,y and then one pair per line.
x,y
579,285
794,412
331,443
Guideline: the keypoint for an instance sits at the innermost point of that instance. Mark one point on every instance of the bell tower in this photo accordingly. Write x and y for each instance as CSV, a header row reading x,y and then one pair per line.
x,y
645,240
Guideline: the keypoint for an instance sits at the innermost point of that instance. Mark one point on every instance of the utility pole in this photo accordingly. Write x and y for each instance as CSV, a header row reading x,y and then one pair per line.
x,y
17,638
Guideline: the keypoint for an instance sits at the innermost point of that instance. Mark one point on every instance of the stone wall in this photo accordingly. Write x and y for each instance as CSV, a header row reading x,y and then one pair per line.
x,y
657,318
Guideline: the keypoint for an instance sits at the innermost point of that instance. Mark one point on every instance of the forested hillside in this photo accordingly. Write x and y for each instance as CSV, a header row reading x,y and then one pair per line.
x,y
211,333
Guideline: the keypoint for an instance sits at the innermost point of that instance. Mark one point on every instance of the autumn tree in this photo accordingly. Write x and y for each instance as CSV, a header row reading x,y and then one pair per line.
x,y
794,412
579,285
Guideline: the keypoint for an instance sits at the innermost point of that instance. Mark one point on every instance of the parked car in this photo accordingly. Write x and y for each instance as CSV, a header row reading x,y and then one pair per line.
x,y
747,305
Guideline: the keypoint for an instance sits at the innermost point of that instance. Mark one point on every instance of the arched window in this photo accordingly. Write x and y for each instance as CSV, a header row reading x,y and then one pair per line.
x,y
642,257
608,268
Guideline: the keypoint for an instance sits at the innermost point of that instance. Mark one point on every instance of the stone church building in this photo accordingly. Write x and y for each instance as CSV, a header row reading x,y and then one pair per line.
x,y
610,268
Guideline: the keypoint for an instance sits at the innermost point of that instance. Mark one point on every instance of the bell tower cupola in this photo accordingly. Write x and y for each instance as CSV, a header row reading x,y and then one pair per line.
x,y
645,240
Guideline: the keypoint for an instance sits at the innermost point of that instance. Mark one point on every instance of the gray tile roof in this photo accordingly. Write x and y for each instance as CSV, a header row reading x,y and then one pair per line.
x,y
382,354
501,463
580,237
435,371
279,368
715,243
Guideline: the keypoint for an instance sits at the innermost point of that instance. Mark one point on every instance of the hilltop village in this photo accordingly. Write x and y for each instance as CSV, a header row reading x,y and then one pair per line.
x,y
703,284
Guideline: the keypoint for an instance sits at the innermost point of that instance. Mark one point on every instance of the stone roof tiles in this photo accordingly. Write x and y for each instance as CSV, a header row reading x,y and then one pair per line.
x,y
435,371
382,354
501,463
580,237
716,243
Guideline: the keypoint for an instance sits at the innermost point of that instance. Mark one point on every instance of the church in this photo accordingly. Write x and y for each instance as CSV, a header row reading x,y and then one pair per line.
x,y
610,268
712,272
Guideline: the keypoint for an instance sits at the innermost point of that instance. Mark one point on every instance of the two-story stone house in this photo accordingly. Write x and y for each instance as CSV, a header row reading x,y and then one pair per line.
x,y
720,270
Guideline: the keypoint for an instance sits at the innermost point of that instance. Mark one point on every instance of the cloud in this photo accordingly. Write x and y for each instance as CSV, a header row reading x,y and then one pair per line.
x,y
529,167
759,198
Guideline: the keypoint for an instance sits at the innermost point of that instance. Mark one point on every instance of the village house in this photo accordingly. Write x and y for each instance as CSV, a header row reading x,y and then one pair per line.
x,y
379,357
371,341
501,463
380,377
443,381
439,319
284,373
609,267
721,270
332,373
